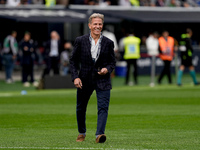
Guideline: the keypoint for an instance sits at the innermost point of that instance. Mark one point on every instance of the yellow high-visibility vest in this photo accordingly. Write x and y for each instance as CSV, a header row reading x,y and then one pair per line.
x,y
135,2
50,3
132,47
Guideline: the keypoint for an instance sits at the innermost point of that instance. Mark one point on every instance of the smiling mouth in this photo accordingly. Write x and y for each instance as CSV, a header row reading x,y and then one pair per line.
x,y
97,30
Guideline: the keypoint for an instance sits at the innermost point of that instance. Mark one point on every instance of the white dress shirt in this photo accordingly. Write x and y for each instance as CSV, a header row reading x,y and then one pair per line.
x,y
54,48
152,46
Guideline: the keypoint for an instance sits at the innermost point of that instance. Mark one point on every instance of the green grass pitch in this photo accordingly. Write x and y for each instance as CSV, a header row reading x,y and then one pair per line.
x,y
140,117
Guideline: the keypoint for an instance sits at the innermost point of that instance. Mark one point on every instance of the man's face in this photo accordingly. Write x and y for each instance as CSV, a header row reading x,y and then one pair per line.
x,y
96,26
67,45
26,37
165,34
155,35
190,34
14,34
54,35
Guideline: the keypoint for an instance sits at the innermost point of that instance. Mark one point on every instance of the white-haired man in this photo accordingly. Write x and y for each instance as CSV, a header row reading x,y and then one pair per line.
x,y
95,54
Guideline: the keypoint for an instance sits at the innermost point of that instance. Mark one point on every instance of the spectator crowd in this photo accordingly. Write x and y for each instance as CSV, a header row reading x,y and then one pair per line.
x,y
126,3
56,55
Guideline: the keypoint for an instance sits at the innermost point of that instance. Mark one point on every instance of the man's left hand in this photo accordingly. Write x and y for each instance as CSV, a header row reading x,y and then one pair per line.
x,y
103,71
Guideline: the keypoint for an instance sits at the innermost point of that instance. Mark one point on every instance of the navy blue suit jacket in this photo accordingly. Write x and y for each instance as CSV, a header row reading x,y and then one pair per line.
x,y
83,67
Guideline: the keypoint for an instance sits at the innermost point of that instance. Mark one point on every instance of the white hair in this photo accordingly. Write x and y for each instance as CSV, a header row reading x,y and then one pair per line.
x,y
96,15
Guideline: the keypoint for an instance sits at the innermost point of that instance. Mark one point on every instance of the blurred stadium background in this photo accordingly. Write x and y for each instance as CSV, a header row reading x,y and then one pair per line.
x,y
70,21
141,117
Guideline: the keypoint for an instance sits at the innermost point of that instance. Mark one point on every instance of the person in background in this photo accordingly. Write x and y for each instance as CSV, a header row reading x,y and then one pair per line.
x,y
64,58
13,3
166,49
131,46
10,49
186,57
125,3
145,3
160,3
172,3
109,34
50,3
27,49
2,2
1,61
188,3
52,54
135,2
143,41
152,45
102,2
78,2
92,63
37,2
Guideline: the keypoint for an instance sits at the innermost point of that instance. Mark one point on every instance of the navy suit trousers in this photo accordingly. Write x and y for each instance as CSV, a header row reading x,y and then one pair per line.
x,y
103,99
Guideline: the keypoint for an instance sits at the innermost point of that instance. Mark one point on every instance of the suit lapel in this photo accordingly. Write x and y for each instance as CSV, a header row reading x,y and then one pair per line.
x,y
88,47
103,41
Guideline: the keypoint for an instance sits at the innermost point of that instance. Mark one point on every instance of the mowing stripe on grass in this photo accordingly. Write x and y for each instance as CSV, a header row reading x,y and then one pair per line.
x,y
60,148
56,148
5,94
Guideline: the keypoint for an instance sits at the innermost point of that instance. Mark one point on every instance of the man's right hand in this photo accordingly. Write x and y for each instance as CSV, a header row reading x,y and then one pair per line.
x,y
78,83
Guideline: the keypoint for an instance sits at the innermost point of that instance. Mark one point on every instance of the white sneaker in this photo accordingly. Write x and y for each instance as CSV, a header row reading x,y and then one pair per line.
x,y
35,84
151,84
26,84
130,83
8,81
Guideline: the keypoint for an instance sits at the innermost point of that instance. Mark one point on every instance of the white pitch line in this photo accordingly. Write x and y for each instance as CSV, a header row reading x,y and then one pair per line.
x,y
56,148
64,148
5,94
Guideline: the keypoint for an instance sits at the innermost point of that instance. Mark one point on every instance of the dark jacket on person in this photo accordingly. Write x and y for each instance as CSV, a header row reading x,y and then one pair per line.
x,y
83,67
47,49
28,52
187,43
